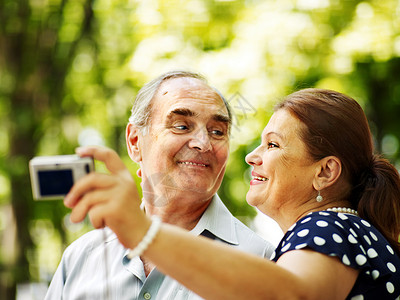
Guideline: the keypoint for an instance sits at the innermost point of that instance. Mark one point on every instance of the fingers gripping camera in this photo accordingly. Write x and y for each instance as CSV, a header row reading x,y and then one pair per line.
x,y
53,176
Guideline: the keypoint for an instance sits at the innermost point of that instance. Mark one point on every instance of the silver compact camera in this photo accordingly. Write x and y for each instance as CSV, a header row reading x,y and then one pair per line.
x,y
53,176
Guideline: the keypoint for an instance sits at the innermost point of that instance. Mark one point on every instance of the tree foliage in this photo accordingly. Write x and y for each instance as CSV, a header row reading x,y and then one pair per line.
x,y
69,70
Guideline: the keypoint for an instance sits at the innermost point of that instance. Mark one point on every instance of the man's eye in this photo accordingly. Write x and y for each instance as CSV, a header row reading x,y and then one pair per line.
x,y
181,127
217,133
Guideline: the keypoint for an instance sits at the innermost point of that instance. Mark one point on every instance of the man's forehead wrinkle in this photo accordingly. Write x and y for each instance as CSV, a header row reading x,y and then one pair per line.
x,y
187,87
181,83
191,93
185,90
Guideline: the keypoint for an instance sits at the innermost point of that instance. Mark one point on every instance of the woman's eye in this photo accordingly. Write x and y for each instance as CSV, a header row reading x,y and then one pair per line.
x,y
272,145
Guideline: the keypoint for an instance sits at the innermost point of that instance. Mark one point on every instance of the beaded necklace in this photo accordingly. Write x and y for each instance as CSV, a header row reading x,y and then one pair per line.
x,y
344,210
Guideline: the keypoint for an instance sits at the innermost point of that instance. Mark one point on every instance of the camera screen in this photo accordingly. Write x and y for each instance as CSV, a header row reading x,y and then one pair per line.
x,y
55,182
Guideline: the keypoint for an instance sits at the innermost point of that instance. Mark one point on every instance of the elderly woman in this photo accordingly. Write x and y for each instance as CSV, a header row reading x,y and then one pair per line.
x,y
315,174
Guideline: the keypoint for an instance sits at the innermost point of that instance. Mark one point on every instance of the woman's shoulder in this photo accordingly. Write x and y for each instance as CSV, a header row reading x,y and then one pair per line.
x,y
352,239
328,227
340,223
355,242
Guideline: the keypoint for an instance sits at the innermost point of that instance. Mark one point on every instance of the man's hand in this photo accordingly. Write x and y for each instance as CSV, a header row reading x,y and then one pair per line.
x,y
109,199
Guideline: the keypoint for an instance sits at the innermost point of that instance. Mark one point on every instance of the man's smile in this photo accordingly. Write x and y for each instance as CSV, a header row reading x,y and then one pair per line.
x,y
190,163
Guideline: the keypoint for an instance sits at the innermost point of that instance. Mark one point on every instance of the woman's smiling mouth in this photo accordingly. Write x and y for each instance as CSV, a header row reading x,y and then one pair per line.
x,y
260,178
257,177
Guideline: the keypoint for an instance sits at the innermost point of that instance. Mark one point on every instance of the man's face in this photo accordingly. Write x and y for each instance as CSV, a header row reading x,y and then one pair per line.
x,y
185,151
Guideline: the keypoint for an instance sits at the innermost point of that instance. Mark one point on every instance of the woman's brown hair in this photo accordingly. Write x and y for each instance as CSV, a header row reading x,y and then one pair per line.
x,y
336,125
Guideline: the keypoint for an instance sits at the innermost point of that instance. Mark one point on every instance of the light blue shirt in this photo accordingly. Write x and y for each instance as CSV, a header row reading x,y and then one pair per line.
x,y
96,267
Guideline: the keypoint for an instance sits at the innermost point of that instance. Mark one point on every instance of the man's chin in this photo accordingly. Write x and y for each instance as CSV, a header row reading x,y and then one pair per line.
x,y
195,187
185,192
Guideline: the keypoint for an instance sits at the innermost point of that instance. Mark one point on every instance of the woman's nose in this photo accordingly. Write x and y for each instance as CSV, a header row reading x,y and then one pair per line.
x,y
253,158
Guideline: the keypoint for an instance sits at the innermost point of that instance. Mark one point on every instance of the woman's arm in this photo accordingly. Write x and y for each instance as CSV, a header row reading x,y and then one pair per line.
x,y
211,269
216,271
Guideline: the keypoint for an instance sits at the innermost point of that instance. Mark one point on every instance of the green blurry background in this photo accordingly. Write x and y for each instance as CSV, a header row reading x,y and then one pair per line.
x,y
69,70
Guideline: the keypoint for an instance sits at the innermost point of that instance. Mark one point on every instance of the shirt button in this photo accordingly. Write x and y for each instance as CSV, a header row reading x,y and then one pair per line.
x,y
147,296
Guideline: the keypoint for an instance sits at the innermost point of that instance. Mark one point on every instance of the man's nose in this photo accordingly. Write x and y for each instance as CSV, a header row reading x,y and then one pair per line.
x,y
200,141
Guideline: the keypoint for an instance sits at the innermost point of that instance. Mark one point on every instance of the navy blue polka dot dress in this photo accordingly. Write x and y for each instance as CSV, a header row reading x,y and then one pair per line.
x,y
356,243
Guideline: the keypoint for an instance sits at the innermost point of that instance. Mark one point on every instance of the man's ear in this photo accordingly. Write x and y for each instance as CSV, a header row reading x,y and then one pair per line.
x,y
132,142
328,172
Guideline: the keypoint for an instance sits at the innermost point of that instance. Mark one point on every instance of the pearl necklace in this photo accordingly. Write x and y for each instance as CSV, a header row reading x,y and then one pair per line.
x,y
344,210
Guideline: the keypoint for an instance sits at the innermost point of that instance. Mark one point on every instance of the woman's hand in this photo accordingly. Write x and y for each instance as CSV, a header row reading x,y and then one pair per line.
x,y
109,199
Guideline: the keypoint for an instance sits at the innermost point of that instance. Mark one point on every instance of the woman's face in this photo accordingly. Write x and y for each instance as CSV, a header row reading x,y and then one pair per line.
x,y
283,172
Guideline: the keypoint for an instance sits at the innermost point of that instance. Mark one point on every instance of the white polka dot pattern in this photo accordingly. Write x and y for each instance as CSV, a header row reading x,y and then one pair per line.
x,y
322,223
361,259
353,232
319,241
300,246
391,267
352,239
337,238
338,224
286,247
375,274
372,253
365,223
273,256
390,287
303,233
356,243
373,236
367,239
290,236
346,260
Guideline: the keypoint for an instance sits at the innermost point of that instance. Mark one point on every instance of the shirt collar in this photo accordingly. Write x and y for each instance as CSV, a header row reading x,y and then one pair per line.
x,y
219,221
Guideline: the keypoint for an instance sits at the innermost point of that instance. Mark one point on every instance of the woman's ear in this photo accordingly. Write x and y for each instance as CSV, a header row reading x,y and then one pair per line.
x,y
133,142
328,172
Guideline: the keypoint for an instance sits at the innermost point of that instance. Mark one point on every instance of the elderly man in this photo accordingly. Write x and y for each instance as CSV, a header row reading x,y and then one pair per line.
x,y
178,133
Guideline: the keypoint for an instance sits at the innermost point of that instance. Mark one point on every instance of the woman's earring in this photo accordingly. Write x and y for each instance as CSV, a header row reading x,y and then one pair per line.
x,y
319,197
